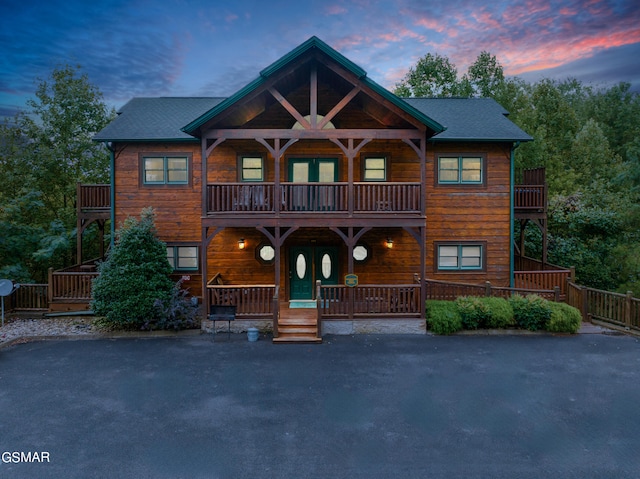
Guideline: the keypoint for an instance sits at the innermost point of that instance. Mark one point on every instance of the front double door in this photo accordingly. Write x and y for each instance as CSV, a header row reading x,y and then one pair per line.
x,y
307,264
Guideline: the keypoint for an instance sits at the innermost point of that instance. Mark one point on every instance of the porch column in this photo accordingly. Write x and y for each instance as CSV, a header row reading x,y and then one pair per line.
x,y
423,271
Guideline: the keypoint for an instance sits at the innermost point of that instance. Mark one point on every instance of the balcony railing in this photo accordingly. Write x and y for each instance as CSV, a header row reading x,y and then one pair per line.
x,y
94,197
321,197
314,197
530,197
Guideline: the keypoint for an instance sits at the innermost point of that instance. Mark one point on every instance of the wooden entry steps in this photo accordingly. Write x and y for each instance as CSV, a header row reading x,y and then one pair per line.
x,y
297,325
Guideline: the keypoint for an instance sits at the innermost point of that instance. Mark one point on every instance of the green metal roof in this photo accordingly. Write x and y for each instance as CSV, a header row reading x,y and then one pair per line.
x,y
311,43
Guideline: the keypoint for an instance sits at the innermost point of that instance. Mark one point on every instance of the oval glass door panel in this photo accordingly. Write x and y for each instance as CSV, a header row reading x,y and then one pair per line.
x,y
301,266
326,266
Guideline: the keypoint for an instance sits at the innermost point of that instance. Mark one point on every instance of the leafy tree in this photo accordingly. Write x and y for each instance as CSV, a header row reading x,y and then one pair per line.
x,y
588,139
134,279
62,120
485,76
433,76
44,152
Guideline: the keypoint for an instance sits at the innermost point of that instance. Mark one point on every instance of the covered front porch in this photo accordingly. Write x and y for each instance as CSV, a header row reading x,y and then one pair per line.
x,y
343,274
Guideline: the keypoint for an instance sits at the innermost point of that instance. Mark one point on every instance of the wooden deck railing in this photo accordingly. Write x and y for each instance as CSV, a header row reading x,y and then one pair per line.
x,y
617,309
524,263
547,280
450,291
251,300
401,300
70,286
93,197
530,197
396,197
29,297
311,197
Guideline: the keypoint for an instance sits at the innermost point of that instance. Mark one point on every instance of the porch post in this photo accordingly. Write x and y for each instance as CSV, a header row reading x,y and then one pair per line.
x,y
203,266
423,271
277,246
350,262
203,240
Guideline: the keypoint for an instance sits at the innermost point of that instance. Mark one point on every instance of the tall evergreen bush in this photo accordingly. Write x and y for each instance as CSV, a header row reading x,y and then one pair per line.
x,y
134,278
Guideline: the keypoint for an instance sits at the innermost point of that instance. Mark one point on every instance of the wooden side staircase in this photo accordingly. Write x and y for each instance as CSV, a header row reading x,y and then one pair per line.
x,y
297,325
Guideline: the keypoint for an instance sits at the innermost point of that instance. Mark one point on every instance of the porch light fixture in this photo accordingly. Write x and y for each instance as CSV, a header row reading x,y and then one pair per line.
x,y
241,244
389,243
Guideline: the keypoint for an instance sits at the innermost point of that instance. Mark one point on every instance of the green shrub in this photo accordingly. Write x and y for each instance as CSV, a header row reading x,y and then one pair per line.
x,y
134,276
500,313
564,318
530,312
443,317
474,312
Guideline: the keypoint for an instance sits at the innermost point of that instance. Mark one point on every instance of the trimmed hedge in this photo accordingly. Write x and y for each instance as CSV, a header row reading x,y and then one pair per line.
x,y
473,310
530,312
485,312
443,317
564,318
501,313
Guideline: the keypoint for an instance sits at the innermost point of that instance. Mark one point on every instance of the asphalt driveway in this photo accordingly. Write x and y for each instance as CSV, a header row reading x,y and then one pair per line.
x,y
353,407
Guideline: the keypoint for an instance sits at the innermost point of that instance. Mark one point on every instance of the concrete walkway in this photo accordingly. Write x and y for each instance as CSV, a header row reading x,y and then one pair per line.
x,y
353,407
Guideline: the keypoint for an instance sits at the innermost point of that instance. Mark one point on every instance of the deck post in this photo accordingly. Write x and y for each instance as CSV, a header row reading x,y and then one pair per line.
x,y
276,310
627,309
50,288
319,305
487,289
585,303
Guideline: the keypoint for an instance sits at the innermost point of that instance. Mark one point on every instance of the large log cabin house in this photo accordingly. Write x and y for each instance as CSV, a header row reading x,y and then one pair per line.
x,y
314,193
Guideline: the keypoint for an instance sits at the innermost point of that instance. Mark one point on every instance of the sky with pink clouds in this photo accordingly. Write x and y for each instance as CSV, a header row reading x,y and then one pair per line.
x,y
133,48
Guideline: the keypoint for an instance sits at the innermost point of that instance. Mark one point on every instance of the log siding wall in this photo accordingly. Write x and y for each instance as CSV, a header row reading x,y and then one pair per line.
x,y
470,213
454,213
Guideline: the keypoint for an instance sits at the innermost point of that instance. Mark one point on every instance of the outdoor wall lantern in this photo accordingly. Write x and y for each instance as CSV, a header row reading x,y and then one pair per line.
x,y
389,243
241,244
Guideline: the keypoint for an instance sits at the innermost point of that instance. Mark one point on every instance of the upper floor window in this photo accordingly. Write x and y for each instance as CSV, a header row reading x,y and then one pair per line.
x,y
460,170
251,168
375,168
183,258
460,256
165,170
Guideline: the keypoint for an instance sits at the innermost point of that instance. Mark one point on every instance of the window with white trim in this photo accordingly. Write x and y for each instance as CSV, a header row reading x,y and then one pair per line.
x,y
183,258
460,170
460,257
165,170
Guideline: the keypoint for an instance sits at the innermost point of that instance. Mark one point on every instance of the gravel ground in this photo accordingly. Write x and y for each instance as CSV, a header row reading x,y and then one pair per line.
x,y
42,327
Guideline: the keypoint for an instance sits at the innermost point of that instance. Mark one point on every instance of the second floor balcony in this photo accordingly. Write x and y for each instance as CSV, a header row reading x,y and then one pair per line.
x,y
291,198
269,198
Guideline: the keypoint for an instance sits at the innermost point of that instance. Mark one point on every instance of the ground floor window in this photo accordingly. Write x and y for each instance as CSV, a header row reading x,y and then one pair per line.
x,y
467,256
183,257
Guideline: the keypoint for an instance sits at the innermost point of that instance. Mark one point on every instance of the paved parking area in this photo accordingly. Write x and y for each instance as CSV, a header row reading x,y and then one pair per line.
x,y
352,407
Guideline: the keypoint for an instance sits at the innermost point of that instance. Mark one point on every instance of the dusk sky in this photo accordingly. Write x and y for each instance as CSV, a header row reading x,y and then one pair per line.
x,y
132,48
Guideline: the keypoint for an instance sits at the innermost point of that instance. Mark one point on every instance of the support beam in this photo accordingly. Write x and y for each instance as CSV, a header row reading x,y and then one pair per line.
x,y
313,97
289,107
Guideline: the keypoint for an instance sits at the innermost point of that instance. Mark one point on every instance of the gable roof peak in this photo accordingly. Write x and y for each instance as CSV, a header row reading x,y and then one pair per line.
x,y
311,43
